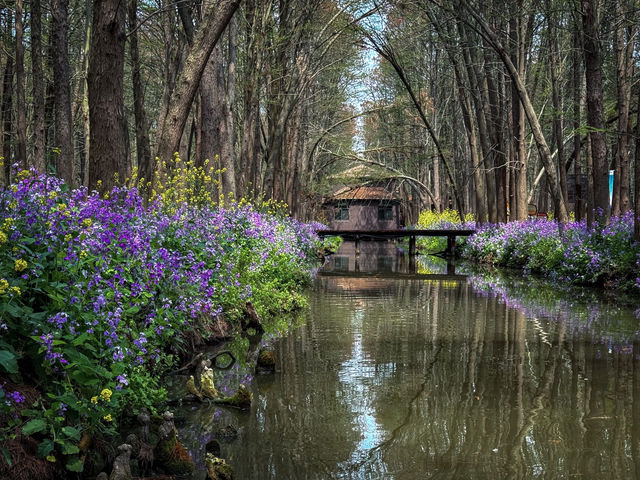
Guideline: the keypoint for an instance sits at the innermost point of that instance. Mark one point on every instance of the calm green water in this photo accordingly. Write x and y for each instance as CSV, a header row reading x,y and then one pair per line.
x,y
396,376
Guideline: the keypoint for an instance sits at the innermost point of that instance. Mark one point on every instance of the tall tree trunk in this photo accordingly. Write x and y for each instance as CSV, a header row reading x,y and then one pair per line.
x,y
7,110
213,24
577,99
517,27
39,139
249,161
624,75
109,154
211,98
555,98
227,153
496,133
62,91
21,116
595,109
173,55
294,141
636,192
143,145
86,123
591,194
215,114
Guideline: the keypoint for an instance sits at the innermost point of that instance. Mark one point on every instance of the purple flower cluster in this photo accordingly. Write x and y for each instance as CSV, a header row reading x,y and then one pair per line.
x,y
573,253
114,281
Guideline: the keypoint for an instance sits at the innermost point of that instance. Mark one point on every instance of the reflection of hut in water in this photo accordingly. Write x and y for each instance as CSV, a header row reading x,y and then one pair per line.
x,y
375,256
371,287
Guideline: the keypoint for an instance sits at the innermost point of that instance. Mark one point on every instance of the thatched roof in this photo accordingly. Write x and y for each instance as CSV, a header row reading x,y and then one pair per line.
x,y
363,193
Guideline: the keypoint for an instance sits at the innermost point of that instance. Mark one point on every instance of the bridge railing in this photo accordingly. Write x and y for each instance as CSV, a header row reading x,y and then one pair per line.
x,y
357,235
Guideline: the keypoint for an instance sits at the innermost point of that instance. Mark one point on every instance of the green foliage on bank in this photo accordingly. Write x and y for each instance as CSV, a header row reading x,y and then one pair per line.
x,y
101,295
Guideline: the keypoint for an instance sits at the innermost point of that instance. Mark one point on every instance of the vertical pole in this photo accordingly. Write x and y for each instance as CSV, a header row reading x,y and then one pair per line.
x,y
412,245
451,246
357,245
451,266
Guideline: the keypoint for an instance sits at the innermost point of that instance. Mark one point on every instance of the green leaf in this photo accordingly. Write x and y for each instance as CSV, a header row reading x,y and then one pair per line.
x,y
8,361
133,310
34,426
75,465
30,412
71,432
69,448
45,448
7,456
79,340
13,310
84,377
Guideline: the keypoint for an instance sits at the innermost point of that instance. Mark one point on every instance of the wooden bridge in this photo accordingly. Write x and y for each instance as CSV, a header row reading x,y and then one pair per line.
x,y
358,235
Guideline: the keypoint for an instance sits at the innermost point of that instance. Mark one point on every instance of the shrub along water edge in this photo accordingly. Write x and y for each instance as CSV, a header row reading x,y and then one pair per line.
x,y
605,255
99,296
447,220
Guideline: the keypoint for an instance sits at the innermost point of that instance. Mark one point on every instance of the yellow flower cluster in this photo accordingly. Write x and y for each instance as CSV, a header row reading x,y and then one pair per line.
x,y
22,174
269,206
4,286
179,182
428,218
4,228
87,222
105,394
20,265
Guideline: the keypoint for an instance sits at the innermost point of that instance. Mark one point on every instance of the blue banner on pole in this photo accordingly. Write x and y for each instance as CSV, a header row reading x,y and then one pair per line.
x,y
611,188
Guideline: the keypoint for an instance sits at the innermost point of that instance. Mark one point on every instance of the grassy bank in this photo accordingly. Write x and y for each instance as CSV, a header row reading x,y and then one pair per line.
x,y
101,296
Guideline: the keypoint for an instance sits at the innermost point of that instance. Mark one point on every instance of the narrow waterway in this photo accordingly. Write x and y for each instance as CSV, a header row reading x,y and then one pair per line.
x,y
400,371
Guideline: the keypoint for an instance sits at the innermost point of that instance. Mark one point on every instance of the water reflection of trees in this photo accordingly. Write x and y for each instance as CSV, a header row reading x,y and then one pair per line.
x,y
457,386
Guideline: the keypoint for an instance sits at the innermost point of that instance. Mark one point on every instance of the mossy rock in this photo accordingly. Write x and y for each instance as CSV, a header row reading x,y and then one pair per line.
x,y
217,468
225,433
266,361
241,399
173,457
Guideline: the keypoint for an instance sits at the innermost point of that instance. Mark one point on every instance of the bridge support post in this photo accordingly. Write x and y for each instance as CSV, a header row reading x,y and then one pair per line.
x,y
451,246
357,244
412,245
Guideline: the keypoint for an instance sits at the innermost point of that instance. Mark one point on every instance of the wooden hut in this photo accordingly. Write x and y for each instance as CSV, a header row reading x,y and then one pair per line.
x,y
363,208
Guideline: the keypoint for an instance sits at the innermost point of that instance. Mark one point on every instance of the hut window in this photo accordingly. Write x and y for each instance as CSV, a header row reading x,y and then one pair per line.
x,y
385,212
342,211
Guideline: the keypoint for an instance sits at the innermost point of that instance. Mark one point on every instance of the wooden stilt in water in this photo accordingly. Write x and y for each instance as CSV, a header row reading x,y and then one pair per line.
x,y
412,245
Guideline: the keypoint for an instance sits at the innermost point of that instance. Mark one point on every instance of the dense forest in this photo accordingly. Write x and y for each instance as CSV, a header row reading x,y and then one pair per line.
x,y
480,106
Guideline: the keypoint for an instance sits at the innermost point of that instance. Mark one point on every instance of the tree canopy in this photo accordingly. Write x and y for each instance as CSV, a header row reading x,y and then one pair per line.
x,y
473,106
